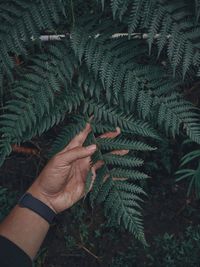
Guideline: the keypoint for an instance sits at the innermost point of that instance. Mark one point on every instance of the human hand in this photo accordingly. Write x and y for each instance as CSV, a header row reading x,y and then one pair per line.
x,y
62,182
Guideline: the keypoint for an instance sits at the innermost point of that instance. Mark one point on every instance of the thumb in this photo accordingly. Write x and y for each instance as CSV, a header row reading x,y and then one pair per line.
x,y
79,153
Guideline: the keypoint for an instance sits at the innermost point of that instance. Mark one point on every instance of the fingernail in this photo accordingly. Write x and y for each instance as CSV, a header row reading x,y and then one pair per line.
x,y
118,129
91,118
91,147
88,125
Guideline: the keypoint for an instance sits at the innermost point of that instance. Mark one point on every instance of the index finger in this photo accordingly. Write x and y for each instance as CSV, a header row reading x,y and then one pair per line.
x,y
80,138
111,134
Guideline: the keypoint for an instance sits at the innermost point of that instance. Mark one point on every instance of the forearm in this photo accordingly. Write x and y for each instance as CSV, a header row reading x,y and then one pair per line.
x,y
26,229
59,186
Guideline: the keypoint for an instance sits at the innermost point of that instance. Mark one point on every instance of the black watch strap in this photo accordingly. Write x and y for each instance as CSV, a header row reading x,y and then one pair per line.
x,y
34,204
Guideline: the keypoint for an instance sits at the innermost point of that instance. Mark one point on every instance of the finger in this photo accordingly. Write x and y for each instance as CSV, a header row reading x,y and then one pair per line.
x,y
91,118
105,178
111,134
86,162
114,178
93,178
98,165
94,168
121,152
79,139
79,153
120,179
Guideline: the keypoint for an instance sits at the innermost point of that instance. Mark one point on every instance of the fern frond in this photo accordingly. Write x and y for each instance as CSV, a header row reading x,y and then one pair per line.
x,y
115,5
24,115
98,183
122,209
67,134
123,161
174,112
197,9
172,22
116,117
190,157
104,185
144,87
190,174
135,15
22,21
129,174
155,25
122,143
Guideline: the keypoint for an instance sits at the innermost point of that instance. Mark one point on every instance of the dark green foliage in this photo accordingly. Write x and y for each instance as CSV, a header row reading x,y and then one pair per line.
x,y
120,143
22,21
95,71
139,93
68,132
191,173
32,108
114,248
166,251
197,9
182,251
7,201
172,25
123,161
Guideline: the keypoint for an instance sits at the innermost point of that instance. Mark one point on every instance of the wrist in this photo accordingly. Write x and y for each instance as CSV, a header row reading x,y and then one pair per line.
x,y
35,191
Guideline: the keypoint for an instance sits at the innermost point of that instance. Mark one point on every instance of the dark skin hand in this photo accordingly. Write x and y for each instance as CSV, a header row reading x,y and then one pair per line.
x,y
60,185
62,181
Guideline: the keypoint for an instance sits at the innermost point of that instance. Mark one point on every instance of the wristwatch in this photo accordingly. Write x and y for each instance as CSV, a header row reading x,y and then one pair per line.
x,y
37,206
